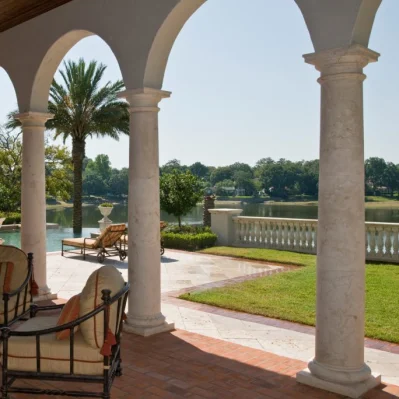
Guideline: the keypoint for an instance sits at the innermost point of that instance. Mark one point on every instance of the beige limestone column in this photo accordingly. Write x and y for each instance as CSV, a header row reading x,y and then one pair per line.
x,y
144,305
33,195
339,362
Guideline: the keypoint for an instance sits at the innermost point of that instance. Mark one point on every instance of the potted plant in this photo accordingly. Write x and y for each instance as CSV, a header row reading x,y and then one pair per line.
x,y
105,209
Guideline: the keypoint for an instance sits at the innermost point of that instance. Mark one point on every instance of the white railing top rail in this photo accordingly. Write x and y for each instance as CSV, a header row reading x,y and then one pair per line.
x,y
295,220
257,218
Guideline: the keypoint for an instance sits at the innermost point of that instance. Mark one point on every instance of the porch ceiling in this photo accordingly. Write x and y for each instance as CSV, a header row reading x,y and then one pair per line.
x,y
15,12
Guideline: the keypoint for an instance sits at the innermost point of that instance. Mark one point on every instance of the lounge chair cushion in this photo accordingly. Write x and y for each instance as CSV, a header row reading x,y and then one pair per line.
x,y
106,277
80,242
111,235
70,312
106,239
54,354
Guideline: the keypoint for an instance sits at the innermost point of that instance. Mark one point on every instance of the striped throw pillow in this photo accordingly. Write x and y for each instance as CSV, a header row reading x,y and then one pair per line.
x,y
70,312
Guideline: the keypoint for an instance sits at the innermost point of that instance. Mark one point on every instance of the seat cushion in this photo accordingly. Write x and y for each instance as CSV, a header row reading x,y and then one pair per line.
x,y
70,312
54,354
80,242
106,277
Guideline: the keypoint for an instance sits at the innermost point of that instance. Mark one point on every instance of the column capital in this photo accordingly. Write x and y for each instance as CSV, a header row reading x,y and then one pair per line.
x,y
145,99
344,62
33,119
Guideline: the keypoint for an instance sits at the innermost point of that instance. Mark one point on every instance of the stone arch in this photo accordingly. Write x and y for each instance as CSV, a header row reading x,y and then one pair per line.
x,y
164,39
49,65
339,23
4,71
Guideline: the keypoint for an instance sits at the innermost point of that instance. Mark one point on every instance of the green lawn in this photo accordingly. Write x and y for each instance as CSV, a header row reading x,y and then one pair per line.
x,y
291,295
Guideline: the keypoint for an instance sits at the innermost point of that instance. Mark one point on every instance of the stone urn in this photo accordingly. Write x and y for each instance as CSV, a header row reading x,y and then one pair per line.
x,y
105,212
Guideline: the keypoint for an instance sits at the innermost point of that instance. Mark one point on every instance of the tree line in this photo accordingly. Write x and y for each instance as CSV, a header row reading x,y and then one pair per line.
x,y
283,178
276,178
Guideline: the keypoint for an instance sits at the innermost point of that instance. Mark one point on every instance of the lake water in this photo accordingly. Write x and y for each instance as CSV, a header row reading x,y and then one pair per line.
x,y
91,216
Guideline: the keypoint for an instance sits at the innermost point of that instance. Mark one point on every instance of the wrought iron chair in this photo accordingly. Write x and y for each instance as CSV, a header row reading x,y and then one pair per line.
x,y
65,364
16,284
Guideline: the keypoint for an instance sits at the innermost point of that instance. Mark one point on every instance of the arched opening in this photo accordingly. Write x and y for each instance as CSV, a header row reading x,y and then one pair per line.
x,y
75,46
381,88
10,158
8,101
240,95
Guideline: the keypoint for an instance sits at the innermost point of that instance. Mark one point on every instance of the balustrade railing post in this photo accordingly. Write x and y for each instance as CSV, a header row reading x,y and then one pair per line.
x,y
223,225
395,254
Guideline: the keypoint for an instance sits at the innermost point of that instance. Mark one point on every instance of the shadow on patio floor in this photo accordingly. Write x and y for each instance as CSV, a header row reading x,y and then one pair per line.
x,y
187,365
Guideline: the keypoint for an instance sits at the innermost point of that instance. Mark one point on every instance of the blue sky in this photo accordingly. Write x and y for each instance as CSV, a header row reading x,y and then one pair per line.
x,y
241,90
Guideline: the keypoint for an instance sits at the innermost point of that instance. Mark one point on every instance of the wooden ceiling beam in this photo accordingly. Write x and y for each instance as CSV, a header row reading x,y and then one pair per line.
x,y
15,12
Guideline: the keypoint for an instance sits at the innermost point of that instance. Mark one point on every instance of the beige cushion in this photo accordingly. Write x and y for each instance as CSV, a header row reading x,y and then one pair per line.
x,y
10,254
54,354
16,262
106,277
108,238
111,235
80,242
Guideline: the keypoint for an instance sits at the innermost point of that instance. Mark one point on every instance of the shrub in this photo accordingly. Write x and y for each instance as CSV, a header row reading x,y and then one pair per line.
x,y
11,217
187,241
106,205
188,229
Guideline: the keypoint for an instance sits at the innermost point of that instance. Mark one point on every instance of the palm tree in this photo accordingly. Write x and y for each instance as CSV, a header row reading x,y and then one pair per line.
x,y
83,109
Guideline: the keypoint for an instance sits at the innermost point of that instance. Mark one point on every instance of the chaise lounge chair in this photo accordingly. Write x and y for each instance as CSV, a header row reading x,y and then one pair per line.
x,y
108,243
81,345
125,238
16,284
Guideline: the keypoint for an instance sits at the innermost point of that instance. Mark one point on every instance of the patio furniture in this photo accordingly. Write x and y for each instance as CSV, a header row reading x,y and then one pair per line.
x,y
16,284
108,243
125,238
90,352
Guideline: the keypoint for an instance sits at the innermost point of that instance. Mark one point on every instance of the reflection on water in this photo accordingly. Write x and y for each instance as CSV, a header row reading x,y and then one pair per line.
x,y
91,216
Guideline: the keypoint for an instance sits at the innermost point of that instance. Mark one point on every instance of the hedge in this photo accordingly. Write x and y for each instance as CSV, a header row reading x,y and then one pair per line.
x,y
188,242
11,218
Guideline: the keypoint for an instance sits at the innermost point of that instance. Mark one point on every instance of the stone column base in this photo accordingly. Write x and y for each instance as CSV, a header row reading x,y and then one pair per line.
x,y
45,297
148,331
355,390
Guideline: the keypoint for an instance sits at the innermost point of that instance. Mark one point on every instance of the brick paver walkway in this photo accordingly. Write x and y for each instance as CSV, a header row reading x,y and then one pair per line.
x,y
187,365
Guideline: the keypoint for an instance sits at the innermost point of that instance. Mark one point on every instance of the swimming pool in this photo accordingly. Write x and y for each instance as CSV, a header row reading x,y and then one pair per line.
x,y
54,237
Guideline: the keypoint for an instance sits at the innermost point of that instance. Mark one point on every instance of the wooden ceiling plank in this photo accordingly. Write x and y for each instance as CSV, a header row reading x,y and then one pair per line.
x,y
15,12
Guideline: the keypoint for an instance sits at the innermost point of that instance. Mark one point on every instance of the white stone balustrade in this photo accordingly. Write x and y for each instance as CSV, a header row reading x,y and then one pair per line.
x,y
297,235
